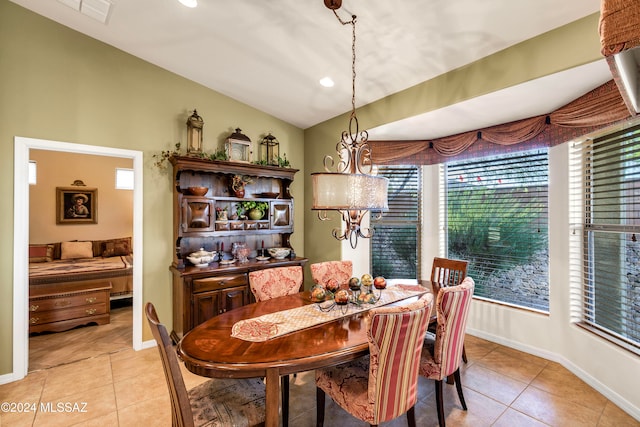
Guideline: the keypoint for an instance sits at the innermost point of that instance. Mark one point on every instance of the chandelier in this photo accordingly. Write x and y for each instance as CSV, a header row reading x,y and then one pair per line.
x,y
352,189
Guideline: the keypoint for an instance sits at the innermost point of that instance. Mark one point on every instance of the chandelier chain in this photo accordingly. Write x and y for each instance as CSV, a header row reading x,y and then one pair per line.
x,y
352,22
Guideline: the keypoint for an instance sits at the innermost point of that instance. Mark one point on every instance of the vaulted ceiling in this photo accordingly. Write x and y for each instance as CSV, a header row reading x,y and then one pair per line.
x,y
272,54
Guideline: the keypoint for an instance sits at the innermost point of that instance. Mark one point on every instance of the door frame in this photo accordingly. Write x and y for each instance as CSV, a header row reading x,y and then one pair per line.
x,y
22,146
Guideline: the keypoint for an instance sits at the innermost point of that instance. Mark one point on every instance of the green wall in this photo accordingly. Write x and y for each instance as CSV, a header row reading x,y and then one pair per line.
x,y
57,84
564,48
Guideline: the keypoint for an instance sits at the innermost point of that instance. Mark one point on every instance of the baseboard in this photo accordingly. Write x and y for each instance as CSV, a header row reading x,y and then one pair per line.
x,y
148,344
8,378
602,388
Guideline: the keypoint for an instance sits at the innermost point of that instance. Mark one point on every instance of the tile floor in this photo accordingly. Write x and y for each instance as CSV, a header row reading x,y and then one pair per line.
x,y
503,388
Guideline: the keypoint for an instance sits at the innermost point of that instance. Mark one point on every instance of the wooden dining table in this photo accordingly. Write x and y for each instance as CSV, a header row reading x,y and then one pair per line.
x,y
209,350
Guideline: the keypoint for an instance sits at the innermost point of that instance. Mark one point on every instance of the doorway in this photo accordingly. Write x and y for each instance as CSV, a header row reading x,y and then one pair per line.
x,y
21,239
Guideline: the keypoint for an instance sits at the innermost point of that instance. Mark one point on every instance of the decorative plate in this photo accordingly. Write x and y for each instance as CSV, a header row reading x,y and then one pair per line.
x,y
227,261
262,258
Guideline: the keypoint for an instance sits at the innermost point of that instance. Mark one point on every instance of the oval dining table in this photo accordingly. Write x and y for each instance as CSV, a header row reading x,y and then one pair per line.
x,y
209,350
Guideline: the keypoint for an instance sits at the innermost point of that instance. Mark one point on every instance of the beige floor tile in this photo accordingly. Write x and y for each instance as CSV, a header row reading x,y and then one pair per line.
x,y
513,418
555,410
513,363
476,348
151,412
99,401
77,377
494,385
613,416
557,380
140,386
481,410
127,362
110,419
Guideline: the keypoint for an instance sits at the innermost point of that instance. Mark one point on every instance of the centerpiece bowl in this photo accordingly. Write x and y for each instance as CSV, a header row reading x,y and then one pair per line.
x,y
279,253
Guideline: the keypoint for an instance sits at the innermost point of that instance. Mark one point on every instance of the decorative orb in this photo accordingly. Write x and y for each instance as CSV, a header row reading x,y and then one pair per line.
x,y
333,285
379,282
354,283
341,297
318,293
366,280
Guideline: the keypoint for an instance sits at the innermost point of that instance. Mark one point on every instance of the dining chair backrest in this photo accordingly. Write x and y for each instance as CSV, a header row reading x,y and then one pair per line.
x,y
452,309
180,405
275,282
322,272
396,335
448,272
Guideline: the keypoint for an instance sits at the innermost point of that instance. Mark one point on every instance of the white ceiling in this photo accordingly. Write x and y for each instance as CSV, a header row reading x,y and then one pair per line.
x,y
270,54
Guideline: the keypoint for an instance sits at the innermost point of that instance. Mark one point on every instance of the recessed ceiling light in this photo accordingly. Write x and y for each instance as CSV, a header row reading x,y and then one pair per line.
x,y
327,82
189,3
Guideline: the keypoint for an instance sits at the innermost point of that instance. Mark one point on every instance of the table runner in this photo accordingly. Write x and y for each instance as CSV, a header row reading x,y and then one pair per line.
x,y
284,322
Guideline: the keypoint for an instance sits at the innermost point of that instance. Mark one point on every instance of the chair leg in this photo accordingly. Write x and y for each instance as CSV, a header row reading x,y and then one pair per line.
x,y
456,374
411,416
284,386
439,404
464,354
319,407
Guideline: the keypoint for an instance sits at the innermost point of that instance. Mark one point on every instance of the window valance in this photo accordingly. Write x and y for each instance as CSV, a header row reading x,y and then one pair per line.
x,y
619,29
597,108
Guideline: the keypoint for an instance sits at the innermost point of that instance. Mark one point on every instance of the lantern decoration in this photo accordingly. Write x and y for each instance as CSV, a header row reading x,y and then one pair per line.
x,y
238,147
194,133
269,150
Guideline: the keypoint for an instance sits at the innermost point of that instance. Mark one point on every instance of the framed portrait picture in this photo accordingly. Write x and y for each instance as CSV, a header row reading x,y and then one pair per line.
x,y
76,205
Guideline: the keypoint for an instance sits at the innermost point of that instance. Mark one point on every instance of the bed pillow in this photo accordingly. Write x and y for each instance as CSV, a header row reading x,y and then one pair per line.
x,y
40,253
73,250
117,247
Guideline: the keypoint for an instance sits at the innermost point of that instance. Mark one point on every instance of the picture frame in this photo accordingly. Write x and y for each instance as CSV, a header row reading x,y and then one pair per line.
x,y
76,205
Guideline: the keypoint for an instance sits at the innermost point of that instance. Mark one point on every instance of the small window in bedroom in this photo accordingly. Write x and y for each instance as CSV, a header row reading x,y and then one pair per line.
x,y
124,179
32,172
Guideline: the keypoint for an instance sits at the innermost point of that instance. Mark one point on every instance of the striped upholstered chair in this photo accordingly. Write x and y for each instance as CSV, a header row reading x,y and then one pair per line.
x,y
322,272
383,385
442,352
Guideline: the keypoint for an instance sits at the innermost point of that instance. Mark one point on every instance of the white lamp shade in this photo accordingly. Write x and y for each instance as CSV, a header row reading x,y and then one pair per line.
x,y
349,191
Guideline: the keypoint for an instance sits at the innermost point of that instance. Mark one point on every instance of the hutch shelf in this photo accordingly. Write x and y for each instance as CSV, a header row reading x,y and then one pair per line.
x,y
200,293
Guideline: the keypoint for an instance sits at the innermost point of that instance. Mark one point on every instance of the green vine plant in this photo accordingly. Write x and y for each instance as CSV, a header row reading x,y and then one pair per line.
x,y
164,156
161,159
282,162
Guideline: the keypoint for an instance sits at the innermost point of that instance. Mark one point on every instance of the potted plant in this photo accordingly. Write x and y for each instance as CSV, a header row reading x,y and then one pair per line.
x,y
237,184
252,209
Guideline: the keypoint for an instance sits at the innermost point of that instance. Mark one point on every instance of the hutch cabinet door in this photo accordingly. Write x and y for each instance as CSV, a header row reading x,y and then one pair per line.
x,y
197,215
205,306
233,298
282,215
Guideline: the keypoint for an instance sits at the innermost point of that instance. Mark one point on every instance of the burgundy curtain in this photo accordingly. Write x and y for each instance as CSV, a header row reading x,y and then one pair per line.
x,y
597,108
619,25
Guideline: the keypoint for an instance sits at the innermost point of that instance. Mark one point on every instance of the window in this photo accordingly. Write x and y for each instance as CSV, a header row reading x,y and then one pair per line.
x,y
610,247
124,179
33,172
497,219
395,244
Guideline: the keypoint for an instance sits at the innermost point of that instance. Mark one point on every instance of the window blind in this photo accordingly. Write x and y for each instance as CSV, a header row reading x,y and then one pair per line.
x,y
497,219
395,245
611,297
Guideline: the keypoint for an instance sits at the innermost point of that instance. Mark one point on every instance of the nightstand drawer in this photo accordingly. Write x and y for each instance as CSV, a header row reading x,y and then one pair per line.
x,y
67,301
38,318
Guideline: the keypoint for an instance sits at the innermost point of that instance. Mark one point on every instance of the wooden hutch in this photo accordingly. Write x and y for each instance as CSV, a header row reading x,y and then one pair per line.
x,y
200,293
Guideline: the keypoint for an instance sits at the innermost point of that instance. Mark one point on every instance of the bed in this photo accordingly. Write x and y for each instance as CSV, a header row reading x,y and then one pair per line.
x,y
87,261
72,283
